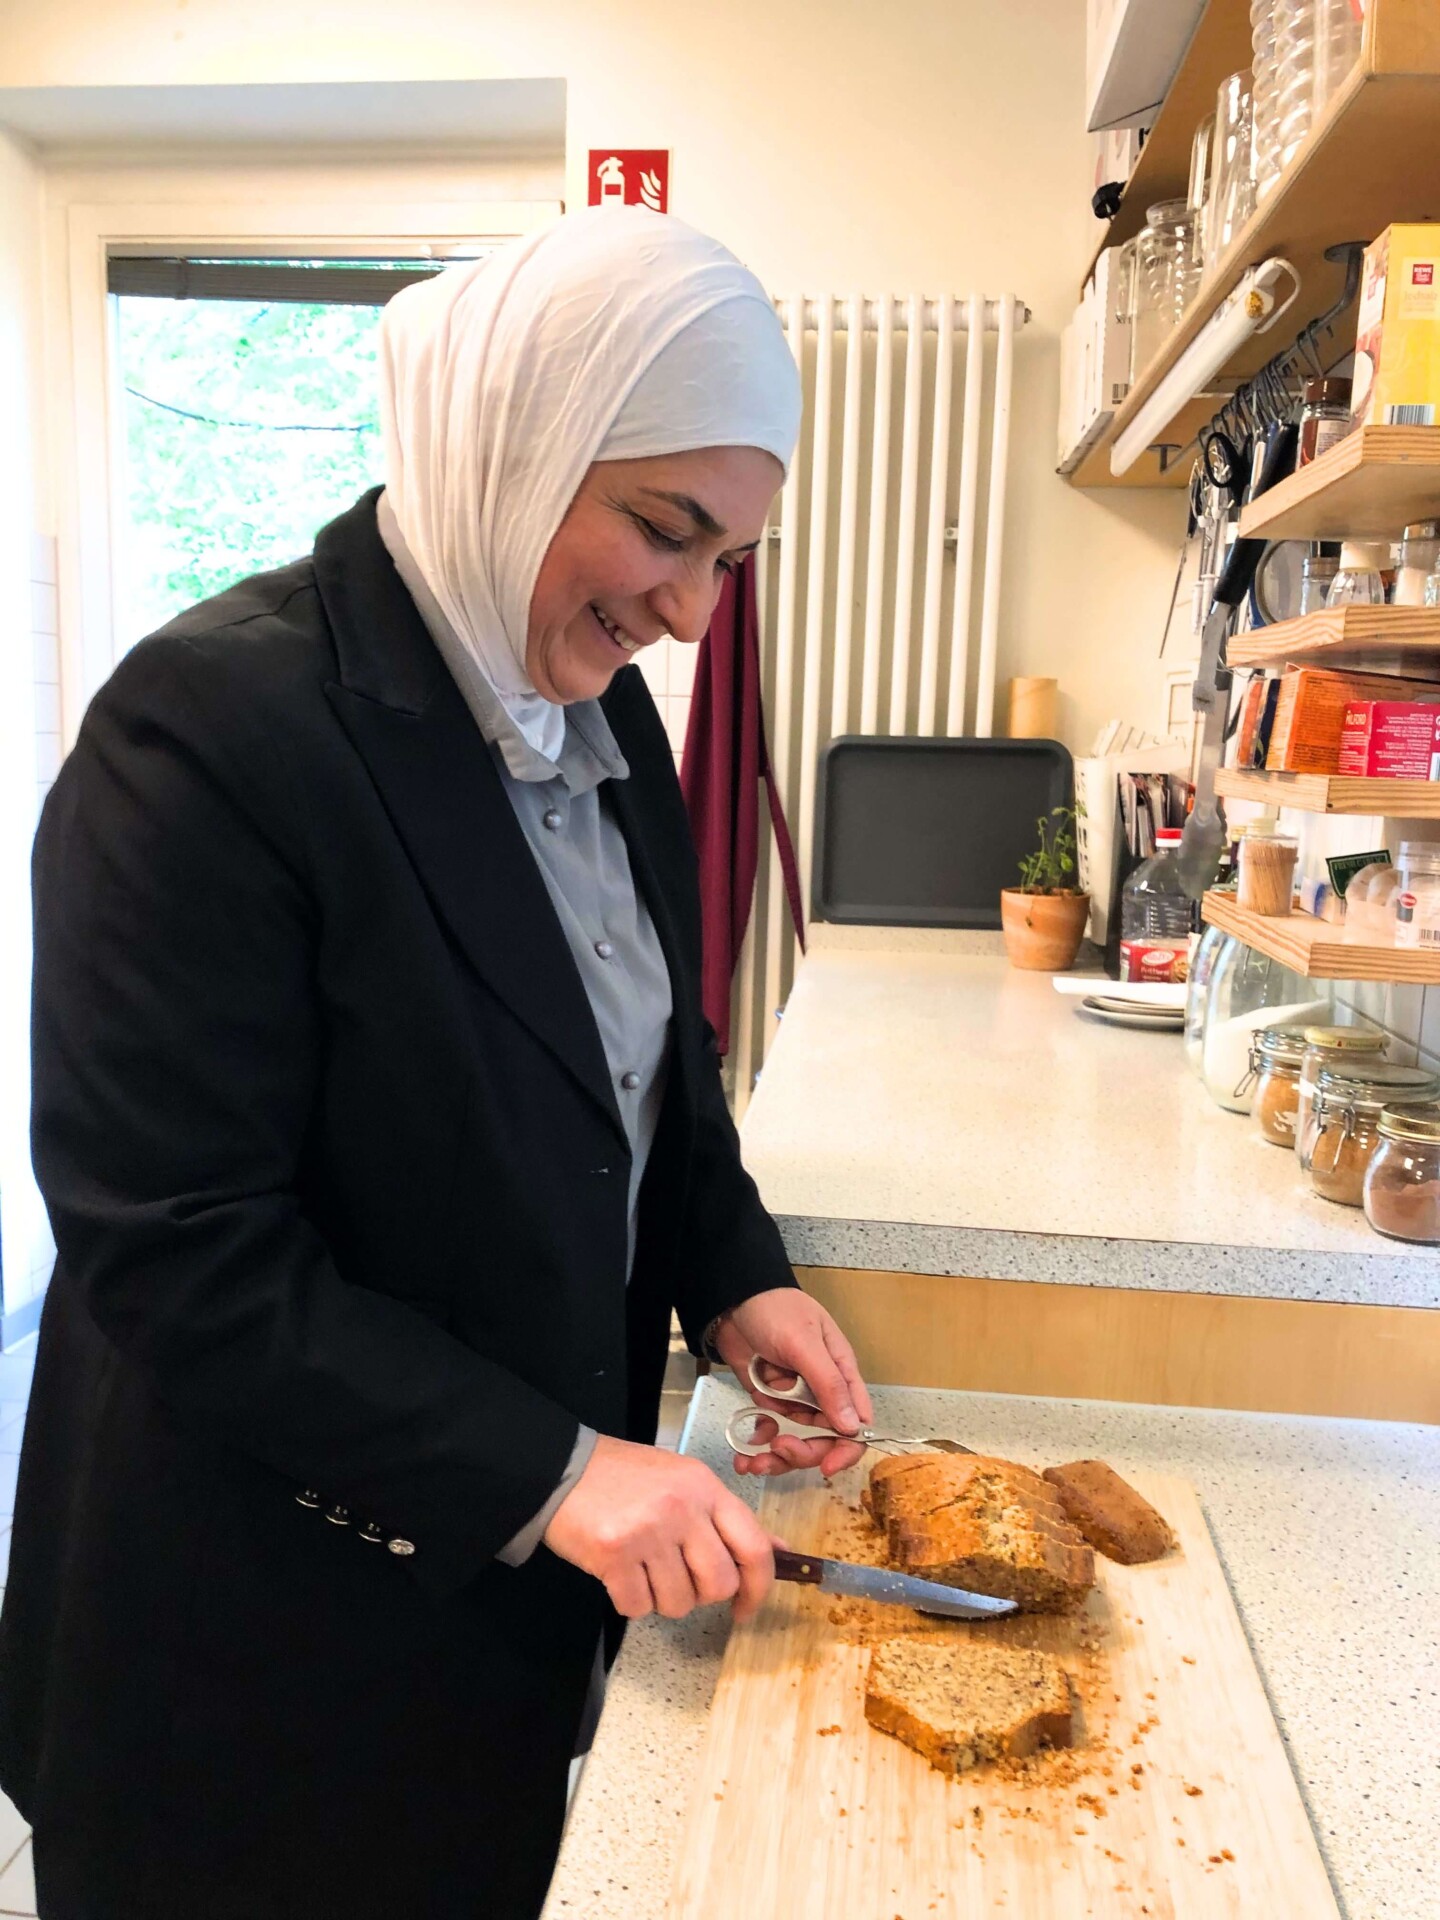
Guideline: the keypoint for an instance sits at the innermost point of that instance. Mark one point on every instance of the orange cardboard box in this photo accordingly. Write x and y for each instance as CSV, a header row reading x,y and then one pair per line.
x,y
1310,714
1397,336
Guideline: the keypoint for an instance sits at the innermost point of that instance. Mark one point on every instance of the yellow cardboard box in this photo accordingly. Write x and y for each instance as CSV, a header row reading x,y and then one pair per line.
x,y
1397,343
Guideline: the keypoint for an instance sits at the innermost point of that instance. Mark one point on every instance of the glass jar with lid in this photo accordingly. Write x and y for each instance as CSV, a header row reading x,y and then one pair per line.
x,y
1317,574
1343,1049
1402,1182
1324,417
1346,1123
1197,989
1415,901
1275,1056
1249,990
1419,550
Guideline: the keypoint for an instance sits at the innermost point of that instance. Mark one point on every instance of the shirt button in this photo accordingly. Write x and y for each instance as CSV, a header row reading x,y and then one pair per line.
x,y
604,949
402,1547
551,818
629,1081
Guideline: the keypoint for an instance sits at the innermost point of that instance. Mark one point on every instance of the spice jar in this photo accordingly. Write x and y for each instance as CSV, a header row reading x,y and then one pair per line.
x,y
1360,579
1346,1124
1275,1058
1416,899
1419,550
1324,418
1402,1182
1343,1049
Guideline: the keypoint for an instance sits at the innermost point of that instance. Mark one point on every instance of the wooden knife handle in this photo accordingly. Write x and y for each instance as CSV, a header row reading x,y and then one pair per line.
x,y
805,1568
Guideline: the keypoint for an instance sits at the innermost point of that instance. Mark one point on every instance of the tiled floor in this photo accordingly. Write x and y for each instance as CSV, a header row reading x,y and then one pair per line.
x,y
17,1878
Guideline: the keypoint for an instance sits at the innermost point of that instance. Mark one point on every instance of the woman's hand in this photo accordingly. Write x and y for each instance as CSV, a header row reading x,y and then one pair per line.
x,y
789,1329
662,1533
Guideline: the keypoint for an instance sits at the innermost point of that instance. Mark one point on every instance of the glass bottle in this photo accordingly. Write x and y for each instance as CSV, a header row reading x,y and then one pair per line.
x,y
1249,990
1264,83
1359,581
1339,25
1294,74
1317,570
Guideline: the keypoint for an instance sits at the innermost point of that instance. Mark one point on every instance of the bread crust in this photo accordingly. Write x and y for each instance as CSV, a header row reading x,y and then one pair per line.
x,y
1109,1513
1028,1700
985,1524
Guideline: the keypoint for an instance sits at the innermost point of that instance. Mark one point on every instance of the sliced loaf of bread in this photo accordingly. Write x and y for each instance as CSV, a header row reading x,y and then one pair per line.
x,y
989,1525
961,1702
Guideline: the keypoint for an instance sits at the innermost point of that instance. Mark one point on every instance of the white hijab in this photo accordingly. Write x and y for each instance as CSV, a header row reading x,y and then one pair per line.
x,y
612,334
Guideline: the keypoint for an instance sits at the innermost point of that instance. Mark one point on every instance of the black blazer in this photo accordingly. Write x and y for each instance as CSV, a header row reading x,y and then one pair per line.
x,y
338,1181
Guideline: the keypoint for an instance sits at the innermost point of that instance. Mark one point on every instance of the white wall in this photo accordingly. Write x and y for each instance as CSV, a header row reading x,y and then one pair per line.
x,y
25,1246
938,144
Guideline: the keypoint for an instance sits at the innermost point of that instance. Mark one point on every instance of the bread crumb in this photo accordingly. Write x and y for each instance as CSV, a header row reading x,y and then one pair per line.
x,y
1225,1854
1180,1841
1113,1790
1186,1658
1214,1859
825,1730
719,1796
1093,1805
1194,1792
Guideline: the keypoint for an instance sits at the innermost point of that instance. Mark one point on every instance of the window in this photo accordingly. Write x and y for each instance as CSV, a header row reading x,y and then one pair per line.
x,y
250,416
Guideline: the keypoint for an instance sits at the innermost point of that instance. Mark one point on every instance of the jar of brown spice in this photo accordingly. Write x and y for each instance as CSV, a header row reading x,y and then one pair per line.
x,y
1345,1124
1342,1049
1275,1057
1402,1183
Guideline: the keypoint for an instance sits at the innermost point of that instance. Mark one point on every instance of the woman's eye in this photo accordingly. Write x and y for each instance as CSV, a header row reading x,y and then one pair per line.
x,y
732,567
658,537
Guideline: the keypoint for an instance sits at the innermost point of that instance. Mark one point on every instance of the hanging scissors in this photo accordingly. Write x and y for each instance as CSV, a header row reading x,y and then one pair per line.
x,y
753,1430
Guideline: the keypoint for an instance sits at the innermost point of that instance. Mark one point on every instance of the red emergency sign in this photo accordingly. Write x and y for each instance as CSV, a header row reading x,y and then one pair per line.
x,y
630,177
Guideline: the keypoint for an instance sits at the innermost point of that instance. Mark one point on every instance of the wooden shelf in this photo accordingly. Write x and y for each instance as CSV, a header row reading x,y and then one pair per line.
x,y
1373,158
1332,793
1317,950
1375,482
1372,639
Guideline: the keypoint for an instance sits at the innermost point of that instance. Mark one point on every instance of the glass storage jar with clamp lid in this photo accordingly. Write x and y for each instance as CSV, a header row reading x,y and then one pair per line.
x,y
1275,1057
1402,1182
1346,1049
1345,1123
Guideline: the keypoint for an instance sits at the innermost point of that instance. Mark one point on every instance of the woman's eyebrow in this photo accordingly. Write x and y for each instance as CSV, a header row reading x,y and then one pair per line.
x,y
687,503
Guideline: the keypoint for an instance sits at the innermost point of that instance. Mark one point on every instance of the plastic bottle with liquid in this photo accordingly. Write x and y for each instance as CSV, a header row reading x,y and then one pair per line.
x,y
1156,916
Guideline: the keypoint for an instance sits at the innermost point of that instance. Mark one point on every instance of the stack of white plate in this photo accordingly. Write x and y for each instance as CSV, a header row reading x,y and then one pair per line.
x,y
1119,1003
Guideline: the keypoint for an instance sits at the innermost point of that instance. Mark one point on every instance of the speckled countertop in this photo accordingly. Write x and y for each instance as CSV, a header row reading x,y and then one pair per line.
x,y
927,1108
1329,1531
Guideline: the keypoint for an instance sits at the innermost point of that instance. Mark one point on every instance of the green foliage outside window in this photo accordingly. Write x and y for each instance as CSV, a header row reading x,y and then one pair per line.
x,y
210,503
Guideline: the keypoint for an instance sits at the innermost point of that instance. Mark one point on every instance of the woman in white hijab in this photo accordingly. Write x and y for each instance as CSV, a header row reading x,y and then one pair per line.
x,y
381,1132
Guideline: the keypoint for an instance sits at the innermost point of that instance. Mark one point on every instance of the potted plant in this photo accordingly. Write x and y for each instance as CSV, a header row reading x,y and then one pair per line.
x,y
1044,917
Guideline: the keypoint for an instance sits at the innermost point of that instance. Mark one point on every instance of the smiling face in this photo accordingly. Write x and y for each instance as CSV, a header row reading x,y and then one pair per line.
x,y
642,552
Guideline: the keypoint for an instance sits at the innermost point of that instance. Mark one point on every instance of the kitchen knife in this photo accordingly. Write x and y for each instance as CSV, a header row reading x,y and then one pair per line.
x,y
893,1589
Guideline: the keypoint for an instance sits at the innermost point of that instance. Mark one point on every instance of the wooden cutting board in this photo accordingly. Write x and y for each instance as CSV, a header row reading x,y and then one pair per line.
x,y
1180,1805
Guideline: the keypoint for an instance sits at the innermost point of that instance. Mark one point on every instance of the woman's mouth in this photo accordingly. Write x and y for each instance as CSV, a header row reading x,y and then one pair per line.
x,y
615,633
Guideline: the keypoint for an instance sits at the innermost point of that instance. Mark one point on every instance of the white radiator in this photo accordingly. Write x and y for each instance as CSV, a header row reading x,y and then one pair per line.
x,y
884,562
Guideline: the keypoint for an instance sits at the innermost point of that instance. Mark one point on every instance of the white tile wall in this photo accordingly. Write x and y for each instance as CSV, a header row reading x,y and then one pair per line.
x,y
44,631
669,670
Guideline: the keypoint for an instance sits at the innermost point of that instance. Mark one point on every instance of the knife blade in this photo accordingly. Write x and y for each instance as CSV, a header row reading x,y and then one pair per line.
x,y
892,1589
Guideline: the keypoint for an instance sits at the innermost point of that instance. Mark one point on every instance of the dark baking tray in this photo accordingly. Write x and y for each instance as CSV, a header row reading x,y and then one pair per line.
x,y
925,833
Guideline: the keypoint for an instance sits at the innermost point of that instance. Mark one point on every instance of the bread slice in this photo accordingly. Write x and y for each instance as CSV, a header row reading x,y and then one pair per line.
x,y
961,1702
989,1525
1112,1516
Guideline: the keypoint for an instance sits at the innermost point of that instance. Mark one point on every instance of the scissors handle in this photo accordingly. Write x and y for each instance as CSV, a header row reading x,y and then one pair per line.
x,y
802,1394
743,1427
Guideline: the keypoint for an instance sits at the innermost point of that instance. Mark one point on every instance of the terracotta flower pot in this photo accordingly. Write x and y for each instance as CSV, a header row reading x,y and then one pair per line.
x,y
1043,931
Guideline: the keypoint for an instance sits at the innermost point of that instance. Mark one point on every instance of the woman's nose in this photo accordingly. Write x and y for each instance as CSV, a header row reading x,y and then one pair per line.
x,y
685,606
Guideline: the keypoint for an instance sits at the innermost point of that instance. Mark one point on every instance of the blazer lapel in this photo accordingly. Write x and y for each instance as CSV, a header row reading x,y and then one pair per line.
x,y
433,771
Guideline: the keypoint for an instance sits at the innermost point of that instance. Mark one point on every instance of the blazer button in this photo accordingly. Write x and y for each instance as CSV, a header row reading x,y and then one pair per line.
x,y
370,1532
402,1547
307,1497
338,1516
629,1081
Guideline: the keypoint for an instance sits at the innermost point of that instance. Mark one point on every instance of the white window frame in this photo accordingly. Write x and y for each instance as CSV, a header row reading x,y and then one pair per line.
x,y
89,445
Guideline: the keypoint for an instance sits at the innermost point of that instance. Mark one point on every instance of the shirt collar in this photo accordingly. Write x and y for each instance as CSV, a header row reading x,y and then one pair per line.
x,y
590,752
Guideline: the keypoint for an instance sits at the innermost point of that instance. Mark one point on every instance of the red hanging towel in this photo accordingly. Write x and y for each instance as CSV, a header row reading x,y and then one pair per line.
x,y
724,762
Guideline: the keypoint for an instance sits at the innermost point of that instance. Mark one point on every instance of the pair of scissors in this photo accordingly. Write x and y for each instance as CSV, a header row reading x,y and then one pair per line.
x,y
753,1430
